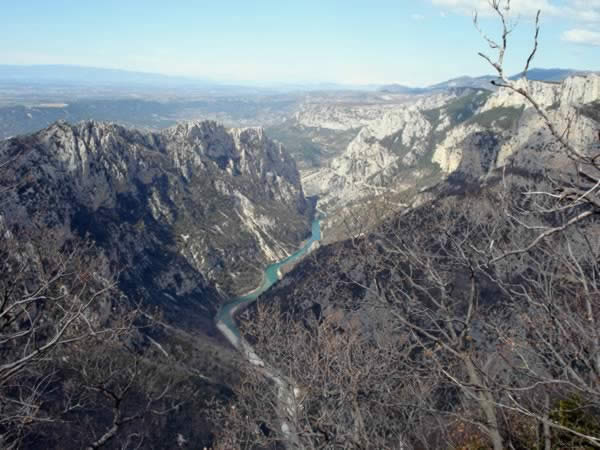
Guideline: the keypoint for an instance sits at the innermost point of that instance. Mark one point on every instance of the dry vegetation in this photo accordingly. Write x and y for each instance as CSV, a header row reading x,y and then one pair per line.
x,y
471,322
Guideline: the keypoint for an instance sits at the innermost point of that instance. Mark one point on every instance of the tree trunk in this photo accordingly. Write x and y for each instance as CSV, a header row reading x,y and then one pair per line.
x,y
486,403
547,434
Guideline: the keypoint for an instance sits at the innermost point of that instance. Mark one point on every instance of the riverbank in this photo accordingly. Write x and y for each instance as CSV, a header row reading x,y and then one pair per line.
x,y
226,317
226,323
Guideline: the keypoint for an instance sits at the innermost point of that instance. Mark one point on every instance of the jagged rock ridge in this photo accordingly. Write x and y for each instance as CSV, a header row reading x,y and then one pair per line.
x,y
180,211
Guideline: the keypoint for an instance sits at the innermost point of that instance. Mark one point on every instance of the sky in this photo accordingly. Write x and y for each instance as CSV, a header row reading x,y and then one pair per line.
x,y
411,42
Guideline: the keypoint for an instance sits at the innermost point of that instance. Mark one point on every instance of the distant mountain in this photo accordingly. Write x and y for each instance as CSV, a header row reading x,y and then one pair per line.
x,y
96,77
81,81
483,82
65,74
460,82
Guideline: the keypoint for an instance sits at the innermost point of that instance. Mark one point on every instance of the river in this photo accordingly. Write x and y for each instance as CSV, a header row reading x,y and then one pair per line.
x,y
225,316
286,389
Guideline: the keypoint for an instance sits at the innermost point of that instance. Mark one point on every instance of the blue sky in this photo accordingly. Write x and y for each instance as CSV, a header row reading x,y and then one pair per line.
x,y
413,42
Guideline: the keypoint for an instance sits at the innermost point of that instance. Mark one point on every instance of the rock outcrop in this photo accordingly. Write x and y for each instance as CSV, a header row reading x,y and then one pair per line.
x,y
391,143
181,212
471,131
518,135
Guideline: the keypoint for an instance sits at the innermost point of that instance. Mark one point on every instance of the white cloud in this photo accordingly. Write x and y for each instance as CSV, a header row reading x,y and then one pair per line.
x,y
579,36
417,17
518,7
579,10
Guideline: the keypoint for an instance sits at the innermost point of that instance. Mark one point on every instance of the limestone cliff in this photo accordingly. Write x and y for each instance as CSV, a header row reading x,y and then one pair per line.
x,y
519,135
472,131
194,206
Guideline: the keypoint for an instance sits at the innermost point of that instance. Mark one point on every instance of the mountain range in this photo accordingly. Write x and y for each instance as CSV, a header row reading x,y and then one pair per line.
x,y
484,82
417,196
102,77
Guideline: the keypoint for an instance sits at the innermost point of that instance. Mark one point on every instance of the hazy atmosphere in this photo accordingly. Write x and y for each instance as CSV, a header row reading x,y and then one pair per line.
x,y
278,225
417,42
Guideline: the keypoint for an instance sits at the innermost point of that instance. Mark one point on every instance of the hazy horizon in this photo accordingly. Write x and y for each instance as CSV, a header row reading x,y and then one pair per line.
x,y
195,80
415,44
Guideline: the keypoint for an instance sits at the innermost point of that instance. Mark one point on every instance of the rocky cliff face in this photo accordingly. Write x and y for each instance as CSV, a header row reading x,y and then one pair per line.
x,y
516,133
471,131
180,211
389,144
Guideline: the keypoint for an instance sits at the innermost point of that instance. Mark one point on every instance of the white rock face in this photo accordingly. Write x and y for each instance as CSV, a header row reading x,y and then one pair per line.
x,y
339,116
573,91
390,136
414,125
363,157
502,128
449,153
524,144
543,93
579,90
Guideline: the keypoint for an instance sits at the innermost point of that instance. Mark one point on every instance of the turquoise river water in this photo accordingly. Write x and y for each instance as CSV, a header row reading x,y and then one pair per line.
x,y
227,311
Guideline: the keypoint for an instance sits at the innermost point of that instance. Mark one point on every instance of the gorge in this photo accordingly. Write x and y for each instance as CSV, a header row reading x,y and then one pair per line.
x,y
187,218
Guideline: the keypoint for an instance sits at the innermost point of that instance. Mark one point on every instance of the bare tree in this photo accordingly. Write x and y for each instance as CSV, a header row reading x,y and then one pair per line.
x,y
482,312
51,297
74,356
115,392
346,394
577,194
558,298
503,331
456,345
